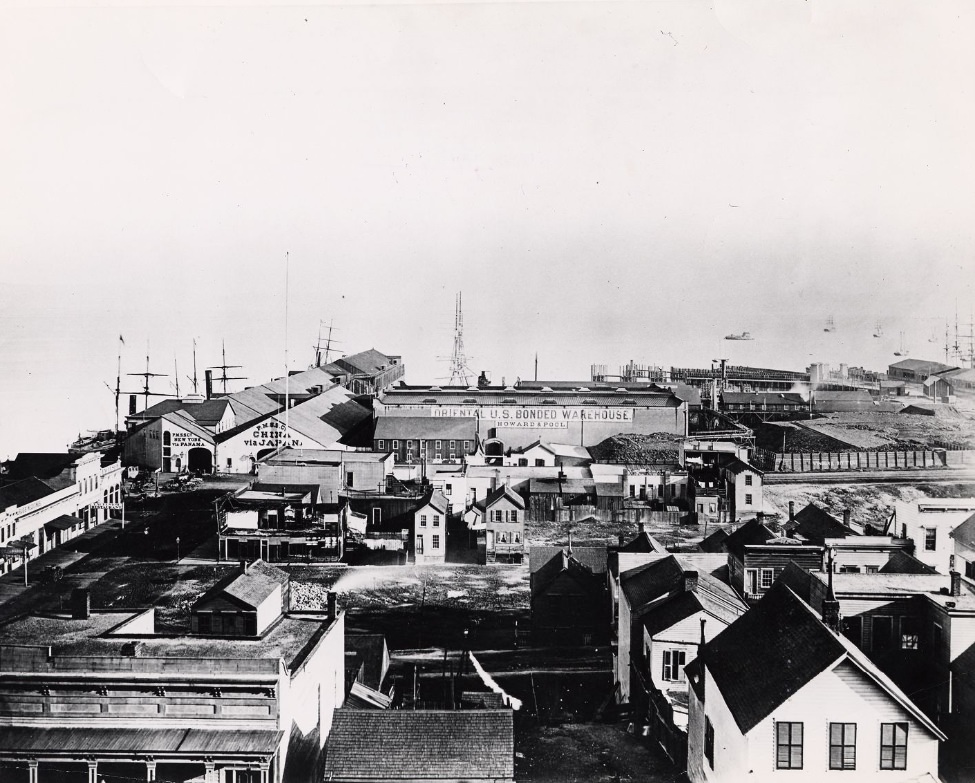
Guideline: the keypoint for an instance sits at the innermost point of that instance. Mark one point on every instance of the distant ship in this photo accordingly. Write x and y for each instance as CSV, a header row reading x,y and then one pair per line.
x,y
742,336
902,351
878,330
830,326
94,441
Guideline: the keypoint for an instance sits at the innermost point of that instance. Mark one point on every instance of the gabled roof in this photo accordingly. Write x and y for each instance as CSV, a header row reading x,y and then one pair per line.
x,y
504,491
815,525
773,651
899,562
651,581
752,532
369,362
556,449
559,564
642,542
158,409
965,532
738,466
711,596
920,366
20,493
250,589
371,648
715,542
592,557
437,500
400,745
42,465
208,413
182,420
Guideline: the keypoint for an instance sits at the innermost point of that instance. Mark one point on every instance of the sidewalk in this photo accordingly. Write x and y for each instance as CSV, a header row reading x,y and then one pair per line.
x,y
12,584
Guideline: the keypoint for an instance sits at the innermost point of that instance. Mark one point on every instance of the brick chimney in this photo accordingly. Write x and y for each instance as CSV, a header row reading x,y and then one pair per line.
x,y
955,578
332,609
831,607
690,581
792,511
846,517
641,527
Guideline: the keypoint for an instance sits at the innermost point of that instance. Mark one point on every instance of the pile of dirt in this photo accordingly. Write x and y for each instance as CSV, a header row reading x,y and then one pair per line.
x,y
659,448
779,436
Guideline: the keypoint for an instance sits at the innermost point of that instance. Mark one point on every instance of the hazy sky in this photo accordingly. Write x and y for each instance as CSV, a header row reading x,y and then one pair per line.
x,y
602,180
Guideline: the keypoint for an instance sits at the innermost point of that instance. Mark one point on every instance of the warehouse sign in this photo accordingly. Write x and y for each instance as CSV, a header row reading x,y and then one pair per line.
x,y
537,416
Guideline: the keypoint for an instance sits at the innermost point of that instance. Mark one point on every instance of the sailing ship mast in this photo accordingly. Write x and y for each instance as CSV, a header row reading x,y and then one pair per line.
x,y
224,367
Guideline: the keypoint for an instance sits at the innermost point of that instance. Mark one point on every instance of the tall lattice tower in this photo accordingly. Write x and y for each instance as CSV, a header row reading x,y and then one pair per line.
x,y
460,373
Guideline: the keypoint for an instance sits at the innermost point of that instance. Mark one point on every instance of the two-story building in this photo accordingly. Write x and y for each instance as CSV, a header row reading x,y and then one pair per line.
x,y
430,530
757,555
569,604
102,691
781,694
499,520
928,522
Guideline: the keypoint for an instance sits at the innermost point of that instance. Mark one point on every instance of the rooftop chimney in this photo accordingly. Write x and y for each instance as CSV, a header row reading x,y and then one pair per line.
x,y
569,553
955,578
332,612
690,581
846,517
641,527
208,375
244,566
792,511
80,603
831,607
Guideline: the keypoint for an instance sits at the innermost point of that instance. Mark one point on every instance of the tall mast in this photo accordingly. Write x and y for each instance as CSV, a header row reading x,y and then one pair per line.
x,y
146,376
193,379
224,367
287,384
329,343
176,374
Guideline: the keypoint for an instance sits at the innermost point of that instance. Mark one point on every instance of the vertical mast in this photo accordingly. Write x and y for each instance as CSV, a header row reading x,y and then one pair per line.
x,y
176,374
287,386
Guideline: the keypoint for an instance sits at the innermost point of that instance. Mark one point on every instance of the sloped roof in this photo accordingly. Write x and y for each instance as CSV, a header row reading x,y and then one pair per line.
x,y
711,596
899,562
20,493
648,582
558,564
715,542
773,651
501,492
965,532
209,412
42,465
920,366
251,588
592,557
762,398
816,525
557,449
642,542
63,522
437,500
426,427
399,745
371,648
183,420
752,532
738,466
156,410
81,741
369,362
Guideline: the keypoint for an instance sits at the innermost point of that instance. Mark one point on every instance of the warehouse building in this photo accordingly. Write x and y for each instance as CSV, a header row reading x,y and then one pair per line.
x,y
505,417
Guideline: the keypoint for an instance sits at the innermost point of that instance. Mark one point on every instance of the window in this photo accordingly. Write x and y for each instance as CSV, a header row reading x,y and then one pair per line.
x,y
348,478
748,479
751,581
419,545
436,520
395,445
204,622
842,746
539,463
632,491
910,634
498,516
467,445
423,520
438,445
514,516
883,633
712,508
768,575
709,742
872,569
453,445
674,665
893,746
523,462
970,570
849,569
748,500
788,746
380,445
447,489
930,539
436,542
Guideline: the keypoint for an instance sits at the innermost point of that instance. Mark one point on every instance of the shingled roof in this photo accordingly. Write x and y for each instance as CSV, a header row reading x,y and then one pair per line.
x,y
773,651
816,525
250,588
401,745
559,564
753,532
592,557
965,532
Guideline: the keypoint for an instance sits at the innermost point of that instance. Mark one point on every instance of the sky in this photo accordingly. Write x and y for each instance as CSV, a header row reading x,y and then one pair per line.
x,y
603,181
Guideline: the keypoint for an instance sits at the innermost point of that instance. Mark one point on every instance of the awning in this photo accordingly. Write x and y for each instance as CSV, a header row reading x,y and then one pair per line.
x,y
62,523
104,743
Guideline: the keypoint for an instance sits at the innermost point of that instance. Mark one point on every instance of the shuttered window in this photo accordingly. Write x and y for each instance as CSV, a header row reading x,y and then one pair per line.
x,y
893,746
674,665
788,746
842,746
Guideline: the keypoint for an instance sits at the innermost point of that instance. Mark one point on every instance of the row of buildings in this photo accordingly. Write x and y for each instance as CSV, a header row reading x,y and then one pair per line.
x,y
250,691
